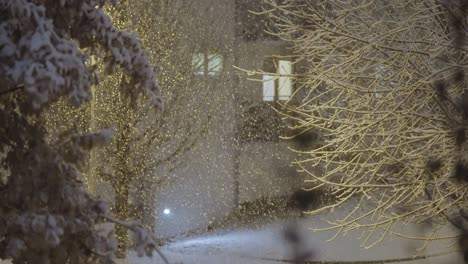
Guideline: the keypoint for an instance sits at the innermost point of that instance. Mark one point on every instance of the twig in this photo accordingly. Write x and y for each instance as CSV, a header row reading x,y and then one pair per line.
x,y
130,227
11,90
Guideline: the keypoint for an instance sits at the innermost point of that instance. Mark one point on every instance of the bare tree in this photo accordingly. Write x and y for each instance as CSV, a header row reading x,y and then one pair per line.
x,y
46,215
385,87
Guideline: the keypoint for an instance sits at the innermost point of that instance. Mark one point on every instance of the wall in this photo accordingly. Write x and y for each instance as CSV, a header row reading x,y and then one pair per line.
x,y
201,189
266,171
221,172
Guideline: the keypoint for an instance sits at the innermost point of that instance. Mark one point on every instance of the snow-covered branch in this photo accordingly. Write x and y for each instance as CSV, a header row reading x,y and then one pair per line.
x,y
46,215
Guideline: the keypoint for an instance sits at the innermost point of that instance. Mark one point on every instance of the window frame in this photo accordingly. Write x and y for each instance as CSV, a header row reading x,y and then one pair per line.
x,y
279,78
203,68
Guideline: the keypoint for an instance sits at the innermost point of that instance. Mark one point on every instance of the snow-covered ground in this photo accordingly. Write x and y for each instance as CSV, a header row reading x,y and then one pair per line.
x,y
260,243
267,244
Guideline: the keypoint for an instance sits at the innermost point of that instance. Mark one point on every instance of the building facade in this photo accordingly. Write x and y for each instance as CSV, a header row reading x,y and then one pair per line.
x,y
241,158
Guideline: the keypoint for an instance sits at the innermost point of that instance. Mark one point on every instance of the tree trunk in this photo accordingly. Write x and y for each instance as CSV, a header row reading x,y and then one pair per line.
x,y
149,208
122,188
121,212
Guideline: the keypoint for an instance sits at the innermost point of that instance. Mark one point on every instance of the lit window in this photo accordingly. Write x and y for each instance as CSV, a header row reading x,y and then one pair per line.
x,y
279,87
268,88
207,64
284,81
198,62
215,64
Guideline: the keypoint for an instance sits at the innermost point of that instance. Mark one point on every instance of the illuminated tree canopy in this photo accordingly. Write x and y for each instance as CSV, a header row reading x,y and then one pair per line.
x,y
149,144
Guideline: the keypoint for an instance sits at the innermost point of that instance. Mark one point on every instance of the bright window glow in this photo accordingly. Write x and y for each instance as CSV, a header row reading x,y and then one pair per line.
x,y
198,63
268,88
167,211
207,64
279,86
284,82
215,64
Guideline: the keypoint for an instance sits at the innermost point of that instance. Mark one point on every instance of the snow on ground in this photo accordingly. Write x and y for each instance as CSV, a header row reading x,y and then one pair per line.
x,y
266,244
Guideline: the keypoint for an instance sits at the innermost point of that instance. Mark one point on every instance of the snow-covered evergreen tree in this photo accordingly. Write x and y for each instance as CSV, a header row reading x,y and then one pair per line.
x,y
46,216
